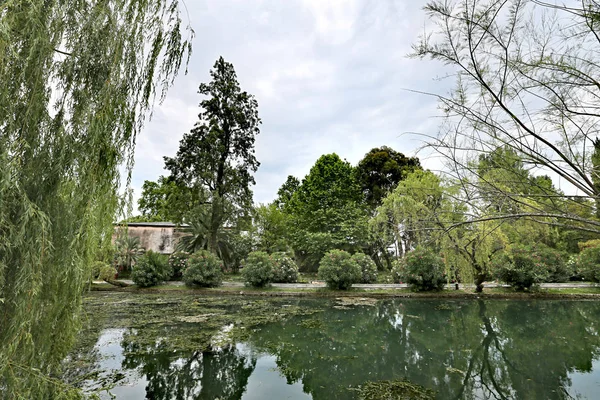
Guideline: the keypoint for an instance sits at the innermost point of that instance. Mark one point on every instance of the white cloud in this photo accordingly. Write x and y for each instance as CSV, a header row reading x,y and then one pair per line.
x,y
329,76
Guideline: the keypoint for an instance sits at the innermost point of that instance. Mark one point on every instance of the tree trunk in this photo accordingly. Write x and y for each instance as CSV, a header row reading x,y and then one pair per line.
x,y
215,224
479,279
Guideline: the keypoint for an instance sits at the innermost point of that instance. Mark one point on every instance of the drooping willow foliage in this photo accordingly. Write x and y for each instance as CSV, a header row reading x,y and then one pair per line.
x,y
77,78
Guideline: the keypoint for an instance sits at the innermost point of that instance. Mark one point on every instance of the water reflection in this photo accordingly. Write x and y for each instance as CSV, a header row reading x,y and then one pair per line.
x,y
460,349
221,374
495,349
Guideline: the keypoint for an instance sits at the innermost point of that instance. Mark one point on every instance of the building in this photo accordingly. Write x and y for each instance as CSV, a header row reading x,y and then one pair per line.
x,y
160,237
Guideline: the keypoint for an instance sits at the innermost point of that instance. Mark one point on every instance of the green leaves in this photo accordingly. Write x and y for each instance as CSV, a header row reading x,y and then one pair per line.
x,y
326,212
217,158
78,81
380,170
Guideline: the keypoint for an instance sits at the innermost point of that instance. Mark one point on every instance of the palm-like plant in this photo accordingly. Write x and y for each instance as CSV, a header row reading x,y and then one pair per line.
x,y
128,249
198,238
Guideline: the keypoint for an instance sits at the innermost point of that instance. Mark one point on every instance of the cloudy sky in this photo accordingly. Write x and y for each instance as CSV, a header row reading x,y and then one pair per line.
x,y
328,75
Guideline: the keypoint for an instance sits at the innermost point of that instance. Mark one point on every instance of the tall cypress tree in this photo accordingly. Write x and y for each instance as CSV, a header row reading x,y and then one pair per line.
x,y
217,156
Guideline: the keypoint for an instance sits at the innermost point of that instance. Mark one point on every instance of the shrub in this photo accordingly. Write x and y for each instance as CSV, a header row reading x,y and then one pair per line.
x,y
367,267
587,264
151,269
555,262
285,269
339,270
572,264
258,269
103,271
203,269
98,266
178,262
422,269
521,267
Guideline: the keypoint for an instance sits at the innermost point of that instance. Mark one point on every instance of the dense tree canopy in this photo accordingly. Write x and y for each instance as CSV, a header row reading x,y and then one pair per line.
x,y
77,81
380,170
286,191
326,212
168,200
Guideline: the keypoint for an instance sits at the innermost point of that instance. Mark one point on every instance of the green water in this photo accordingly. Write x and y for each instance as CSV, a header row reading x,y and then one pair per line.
x,y
190,347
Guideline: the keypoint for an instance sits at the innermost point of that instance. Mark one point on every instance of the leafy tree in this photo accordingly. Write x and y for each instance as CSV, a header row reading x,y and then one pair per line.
x,y
408,214
271,228
286,191
425,210
380,170
167,200
378,173
217,156
522,86
326,212
78,80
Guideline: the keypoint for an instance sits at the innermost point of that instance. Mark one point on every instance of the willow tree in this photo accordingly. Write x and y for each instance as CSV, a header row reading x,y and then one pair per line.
x,y
78,79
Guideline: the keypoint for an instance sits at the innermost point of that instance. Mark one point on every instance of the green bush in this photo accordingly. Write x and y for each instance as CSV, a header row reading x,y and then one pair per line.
x,y
339,270
521,267
555,262
422,269
98,266
285,269
258,269
203,269
367,267
178,263
103,271
587,264
151,269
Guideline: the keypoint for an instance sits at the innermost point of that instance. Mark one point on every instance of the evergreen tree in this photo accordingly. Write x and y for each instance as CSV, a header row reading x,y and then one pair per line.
x,y
217,156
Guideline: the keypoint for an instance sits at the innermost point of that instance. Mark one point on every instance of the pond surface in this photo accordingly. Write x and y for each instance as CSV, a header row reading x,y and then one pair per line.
x,y
192,347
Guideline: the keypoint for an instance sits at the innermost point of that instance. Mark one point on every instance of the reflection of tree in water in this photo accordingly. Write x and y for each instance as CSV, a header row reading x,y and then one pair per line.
x,y
221,374
495,349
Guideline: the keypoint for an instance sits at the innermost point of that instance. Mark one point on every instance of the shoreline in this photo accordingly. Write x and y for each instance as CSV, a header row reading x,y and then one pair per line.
x,y
581,293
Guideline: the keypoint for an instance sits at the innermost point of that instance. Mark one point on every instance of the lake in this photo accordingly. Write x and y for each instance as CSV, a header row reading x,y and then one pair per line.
x,y
181,346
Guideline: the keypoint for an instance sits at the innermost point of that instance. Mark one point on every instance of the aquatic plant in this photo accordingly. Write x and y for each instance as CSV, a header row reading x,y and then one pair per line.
x,y
397,390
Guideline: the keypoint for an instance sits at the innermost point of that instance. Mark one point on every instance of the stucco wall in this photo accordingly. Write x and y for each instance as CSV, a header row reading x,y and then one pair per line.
x,y
156,238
